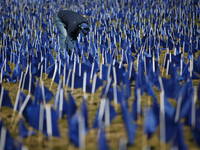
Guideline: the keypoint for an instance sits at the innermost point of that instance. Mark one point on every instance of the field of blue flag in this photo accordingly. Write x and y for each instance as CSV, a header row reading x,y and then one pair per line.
x,y
132,83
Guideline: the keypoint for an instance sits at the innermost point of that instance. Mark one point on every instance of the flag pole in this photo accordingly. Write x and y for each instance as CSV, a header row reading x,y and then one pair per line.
x,y
1,96
64,75
49,124
138,105
144,136
29,136
107,116
93,88
41,121
162,116
54,74
21,110
61,103
16,102
193,120
115,88
84,82
68,77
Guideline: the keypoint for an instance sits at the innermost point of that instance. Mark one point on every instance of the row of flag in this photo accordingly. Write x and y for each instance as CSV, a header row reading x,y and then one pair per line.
x,y
123,47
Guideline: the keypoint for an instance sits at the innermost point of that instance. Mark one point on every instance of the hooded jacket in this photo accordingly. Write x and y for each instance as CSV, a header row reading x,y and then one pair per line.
x,y
72,21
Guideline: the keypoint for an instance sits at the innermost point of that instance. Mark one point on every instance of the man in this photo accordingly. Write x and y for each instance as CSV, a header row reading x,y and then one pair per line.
x,y
69,25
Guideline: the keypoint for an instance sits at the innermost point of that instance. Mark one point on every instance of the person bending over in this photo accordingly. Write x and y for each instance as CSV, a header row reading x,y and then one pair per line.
x,y
69,25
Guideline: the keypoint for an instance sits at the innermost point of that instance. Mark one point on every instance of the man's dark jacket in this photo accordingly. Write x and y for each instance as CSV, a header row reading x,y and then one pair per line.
x,y
72,20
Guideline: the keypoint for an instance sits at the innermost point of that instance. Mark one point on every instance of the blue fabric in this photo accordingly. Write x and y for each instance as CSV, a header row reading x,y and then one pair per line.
x,y
102,142
131,128
23,131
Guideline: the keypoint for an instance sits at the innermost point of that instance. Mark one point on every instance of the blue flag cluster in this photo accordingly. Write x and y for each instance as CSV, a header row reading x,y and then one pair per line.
x,y
123,50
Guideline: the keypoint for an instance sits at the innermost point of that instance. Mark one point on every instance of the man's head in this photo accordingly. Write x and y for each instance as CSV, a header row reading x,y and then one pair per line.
x,y
84,29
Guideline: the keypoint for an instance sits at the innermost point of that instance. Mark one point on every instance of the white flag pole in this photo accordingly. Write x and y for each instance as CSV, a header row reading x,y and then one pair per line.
x,y
84,82
54,74
81,128
162,116
178,107
1,97
61,103
3,137
49,121
194,107
93,88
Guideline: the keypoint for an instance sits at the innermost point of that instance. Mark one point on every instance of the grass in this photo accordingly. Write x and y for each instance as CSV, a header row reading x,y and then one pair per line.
x,y
114,132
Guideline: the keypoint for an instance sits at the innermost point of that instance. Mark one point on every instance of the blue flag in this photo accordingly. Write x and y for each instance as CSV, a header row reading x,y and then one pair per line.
x,y
16,73
112,114
71,107
179,141
37,95
198,93
54,124
61,105
196,135
23,131
84,112
74,129
131,128
150,122
5,98
9,141
102,142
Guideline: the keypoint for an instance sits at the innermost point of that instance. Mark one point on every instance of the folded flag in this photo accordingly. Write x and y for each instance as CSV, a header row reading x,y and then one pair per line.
x,y
131,71
20,100
28,82
131,128
23,131
16,73
136,108
5,99
6,76
179,141
50,70
196,66
43,120
14,58
23,61
84,113
198,93
150,122
104,72
171,88
6,66
71,107
196,135
50,125
6,141
37,95
97,82
48,94
171,129
62,105
102,142
173,72
105,114
75,129
32,115
186,74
